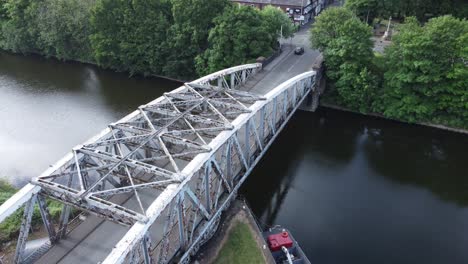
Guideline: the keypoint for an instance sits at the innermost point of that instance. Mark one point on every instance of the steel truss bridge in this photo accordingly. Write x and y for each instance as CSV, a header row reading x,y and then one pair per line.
x,y
166,171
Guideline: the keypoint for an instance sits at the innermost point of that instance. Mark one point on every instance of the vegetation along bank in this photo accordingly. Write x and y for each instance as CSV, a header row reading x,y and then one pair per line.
x,y
181,39
422,76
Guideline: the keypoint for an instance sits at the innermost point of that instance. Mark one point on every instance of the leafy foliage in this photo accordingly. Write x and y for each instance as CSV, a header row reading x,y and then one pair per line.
x,y
55,28
347,48
276,22
130,35
242,34
427,74
10,227
422,76
149,37
63,29
188,35
422,9
19,33
238,37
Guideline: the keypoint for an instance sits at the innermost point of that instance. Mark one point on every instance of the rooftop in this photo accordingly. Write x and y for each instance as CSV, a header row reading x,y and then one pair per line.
x,y
276,2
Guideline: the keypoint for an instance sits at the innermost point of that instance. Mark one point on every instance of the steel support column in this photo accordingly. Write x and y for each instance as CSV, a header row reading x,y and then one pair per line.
x,y
46,219
63,224
24,230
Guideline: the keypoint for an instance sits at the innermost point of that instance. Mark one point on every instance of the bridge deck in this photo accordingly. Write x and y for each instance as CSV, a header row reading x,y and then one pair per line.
x,y
286,66
94,239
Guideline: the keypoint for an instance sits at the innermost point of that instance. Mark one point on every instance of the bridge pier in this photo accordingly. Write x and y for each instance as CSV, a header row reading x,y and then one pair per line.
x,y
313,98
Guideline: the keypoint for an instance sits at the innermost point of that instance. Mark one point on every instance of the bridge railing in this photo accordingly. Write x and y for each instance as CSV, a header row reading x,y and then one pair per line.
x,y
78,179
227,132
186,215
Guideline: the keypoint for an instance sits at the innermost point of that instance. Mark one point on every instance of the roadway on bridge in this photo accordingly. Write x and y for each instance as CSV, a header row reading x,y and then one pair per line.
x,y
94,239
287,65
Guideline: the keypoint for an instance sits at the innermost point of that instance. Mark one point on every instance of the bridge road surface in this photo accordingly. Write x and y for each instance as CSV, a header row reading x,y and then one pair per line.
x,y
286,66
93,240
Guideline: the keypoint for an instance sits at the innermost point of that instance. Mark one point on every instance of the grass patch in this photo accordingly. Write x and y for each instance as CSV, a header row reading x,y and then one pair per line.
x,y
240,247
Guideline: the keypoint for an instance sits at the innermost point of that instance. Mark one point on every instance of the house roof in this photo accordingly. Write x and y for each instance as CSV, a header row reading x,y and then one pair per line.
x,y
289,2
276,2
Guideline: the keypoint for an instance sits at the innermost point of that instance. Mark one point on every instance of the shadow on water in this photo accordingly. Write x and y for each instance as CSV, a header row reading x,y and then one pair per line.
x,y
420,156
355,189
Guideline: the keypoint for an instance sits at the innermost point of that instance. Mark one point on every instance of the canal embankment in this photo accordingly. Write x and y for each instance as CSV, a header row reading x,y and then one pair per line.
x,y
237,239
426,124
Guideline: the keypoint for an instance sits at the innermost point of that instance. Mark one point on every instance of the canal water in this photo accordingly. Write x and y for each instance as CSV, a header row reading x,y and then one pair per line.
x,y
48,107
352,189
355,189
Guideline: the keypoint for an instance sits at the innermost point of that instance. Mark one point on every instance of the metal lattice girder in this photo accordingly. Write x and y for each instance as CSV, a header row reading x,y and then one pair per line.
x,y
173,165
233,155
148,149
24,230
17,200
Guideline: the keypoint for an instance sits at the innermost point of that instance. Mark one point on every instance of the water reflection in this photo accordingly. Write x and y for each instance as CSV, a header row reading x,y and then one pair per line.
x,y
388,193
47,107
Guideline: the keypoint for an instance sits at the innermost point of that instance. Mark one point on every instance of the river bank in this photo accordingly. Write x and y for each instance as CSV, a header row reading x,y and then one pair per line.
x,y
218,249
451,129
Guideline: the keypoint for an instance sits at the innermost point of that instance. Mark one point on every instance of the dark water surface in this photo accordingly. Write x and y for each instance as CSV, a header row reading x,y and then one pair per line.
x,y
352,189
48,107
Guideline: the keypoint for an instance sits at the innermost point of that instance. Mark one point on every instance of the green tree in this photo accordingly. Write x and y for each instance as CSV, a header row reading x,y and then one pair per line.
x,y
365,9
347,49
238,37
422,9
131,35
64,29
427,74
188,35
277,22
327,27
19,31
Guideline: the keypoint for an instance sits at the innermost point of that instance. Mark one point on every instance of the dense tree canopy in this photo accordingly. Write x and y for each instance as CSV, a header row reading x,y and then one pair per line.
x,y
63,29
19,32
422,9
427,73
50,27
149,37
240,35
276,22
421,77
347,48
131,35
188,35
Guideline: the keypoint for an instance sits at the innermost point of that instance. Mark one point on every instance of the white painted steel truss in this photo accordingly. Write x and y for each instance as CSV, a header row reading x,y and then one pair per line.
x,y
170,168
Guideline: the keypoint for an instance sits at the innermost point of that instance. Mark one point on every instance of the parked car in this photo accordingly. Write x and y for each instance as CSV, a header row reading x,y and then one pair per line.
x,y
299,51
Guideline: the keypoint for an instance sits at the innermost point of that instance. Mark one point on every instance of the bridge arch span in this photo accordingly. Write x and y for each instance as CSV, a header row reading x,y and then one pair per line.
x,y
168,170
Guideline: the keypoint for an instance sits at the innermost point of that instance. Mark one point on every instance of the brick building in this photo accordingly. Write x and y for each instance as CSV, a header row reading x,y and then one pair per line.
x,y
298,10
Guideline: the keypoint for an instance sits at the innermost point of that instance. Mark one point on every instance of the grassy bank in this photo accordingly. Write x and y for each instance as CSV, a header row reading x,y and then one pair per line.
x,y
240,247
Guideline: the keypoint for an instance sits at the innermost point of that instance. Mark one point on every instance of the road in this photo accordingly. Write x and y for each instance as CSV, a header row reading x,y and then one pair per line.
x,y
287,65
94,239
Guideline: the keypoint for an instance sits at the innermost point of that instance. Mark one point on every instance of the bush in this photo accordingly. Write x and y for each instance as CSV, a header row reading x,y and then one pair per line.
x,y
10,228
